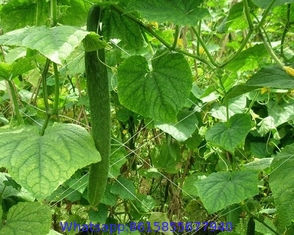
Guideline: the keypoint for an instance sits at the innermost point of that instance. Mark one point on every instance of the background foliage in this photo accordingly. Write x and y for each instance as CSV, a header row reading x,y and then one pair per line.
x,y
201,105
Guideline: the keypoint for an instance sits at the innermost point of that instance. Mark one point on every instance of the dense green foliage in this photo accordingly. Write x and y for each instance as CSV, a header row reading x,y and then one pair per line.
x,y
201,114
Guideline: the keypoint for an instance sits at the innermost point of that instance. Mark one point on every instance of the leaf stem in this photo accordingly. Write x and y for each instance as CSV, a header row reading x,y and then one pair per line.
x,y
45,95
270,50
53,12
247,14
212,61
177,32
286,29
56,94
232,57
15,103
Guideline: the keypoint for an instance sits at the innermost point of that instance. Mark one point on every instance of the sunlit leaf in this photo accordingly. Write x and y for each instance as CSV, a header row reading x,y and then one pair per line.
x,y
157,91
222,189
44,162
27,218
230,134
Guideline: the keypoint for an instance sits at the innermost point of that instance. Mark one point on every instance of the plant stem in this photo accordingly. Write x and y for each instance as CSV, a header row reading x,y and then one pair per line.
x,y
53,12
265,14
286,29
247,14
232,57
177,32
15,103
56,94
270,50
204,47
45,94
53,15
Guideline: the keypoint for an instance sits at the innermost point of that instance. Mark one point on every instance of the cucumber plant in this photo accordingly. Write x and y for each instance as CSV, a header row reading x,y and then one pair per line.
x,y
203,89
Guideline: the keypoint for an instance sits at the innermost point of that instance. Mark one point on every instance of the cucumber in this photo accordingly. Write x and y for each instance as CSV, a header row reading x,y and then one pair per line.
x,y
98,92
251,227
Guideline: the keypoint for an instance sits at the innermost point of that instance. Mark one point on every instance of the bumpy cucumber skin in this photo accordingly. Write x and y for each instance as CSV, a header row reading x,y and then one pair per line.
x,y
98,92
251,227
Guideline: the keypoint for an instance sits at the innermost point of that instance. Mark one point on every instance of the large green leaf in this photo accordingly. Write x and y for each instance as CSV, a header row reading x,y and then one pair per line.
x,y
27,218
249,59
222,189
117,25
271,77
182,130
41,163
180,12
55,43
17,14
73,12
230,134
158,92
281,183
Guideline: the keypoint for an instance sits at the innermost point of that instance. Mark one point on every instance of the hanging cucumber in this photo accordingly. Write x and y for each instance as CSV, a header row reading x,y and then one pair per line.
x,y
251,227
97,85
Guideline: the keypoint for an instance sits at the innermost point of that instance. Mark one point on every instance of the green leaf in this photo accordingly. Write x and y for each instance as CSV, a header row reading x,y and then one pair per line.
x,y
158,92
168,159
235,19
9,188
117,159
249,59
41,163
73,12
160,218
259,164
24,13
189,187
235,105
282,185
264,4
8,71
26,218
99,216
53,232
124,188
182,130
222,189
109,198
116,25
179,12
282,112
266,125
260,149
238,90
145,204
271,77
230,134
55,43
